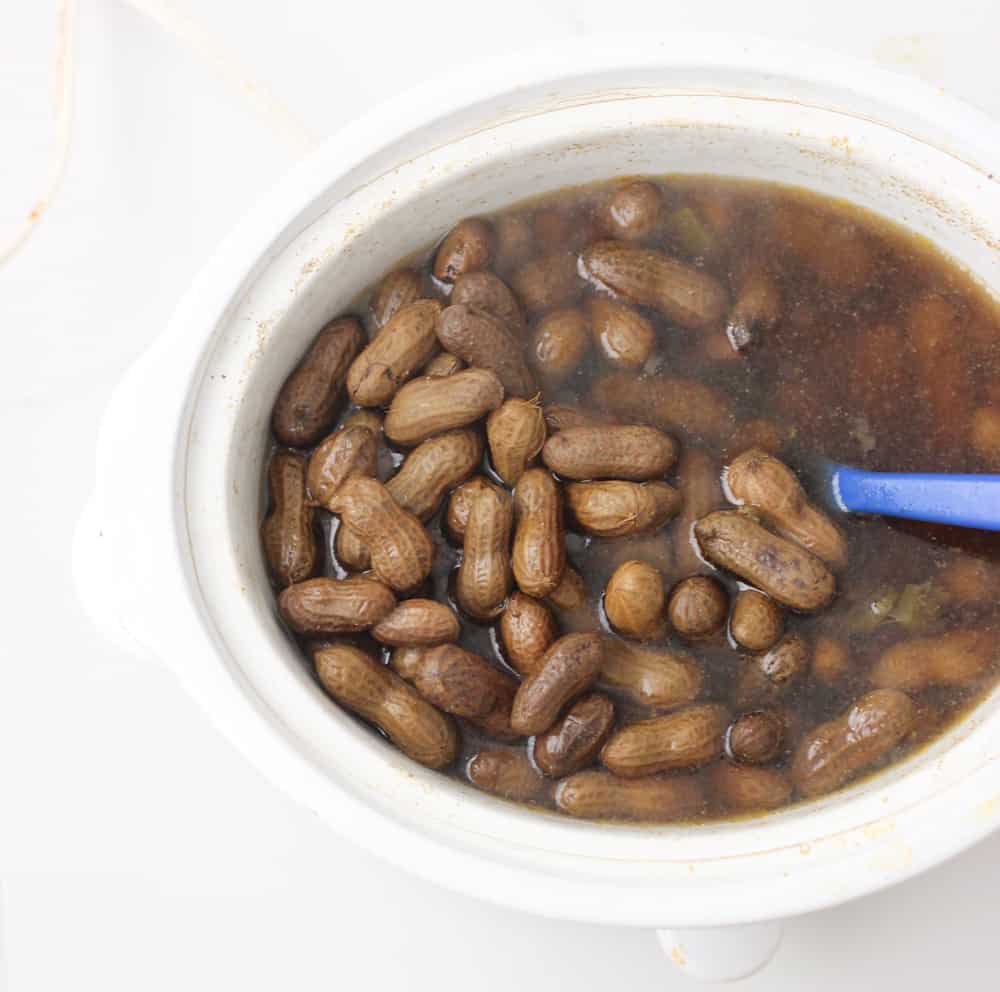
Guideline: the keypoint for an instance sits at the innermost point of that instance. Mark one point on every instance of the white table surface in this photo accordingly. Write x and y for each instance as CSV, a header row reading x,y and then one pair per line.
x,y
138,850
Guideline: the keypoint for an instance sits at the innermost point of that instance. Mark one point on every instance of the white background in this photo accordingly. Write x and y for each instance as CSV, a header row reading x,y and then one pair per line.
x,y
138,850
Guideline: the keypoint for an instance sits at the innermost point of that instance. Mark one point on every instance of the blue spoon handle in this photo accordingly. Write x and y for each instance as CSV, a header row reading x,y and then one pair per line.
x,y
961,500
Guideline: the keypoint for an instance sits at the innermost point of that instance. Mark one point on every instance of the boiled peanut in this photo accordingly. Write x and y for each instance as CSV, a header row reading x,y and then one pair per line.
x,y
623,337
633,211
762,481
547,282
687,738
374,692
483,578
348,452
756,622
431,405
527,630
333,606
956,658
504,773
558,417
516,433
634,599
969,582
836,751
462,683
397,289
934,325
575,741
745,788
539,555
467,247
421,622
679,291
631,453
757,307
288,532
698,477
599,795
830,660
351,551
617,508
401,550
457,516
559,345
434,467
514,241
698,607
486,293
403,346
650,676
683,406
571,593
311,396
443,364
785,571
984,435
484,341
765,678
568,669
755,738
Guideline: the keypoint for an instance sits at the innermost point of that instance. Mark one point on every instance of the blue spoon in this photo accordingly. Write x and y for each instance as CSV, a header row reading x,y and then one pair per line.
x,y
959,500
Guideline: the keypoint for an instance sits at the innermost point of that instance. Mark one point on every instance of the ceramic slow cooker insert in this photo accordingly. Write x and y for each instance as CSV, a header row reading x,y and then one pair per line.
x,y
168,552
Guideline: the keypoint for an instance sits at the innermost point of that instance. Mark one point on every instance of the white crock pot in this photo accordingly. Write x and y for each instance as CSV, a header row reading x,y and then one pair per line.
x,y
167,552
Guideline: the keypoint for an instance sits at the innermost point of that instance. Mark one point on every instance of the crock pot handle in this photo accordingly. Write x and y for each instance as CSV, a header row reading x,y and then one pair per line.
x,y
121,555
721,954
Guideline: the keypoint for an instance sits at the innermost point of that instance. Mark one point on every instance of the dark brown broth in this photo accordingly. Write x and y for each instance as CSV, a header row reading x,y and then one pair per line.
x,y
805,375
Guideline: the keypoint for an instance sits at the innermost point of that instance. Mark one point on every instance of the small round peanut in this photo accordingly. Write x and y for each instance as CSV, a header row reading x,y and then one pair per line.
x,y
623,337
576,740
288,532
504,773
467,247
765,678
527,630
539,555
333,606
599,795
568,669
418,622
634,598
756,622
396,290
547,282
687,738
559,345
376,693
698,607
830,661
516,433
634,211
755,738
